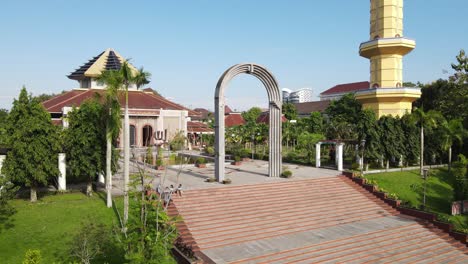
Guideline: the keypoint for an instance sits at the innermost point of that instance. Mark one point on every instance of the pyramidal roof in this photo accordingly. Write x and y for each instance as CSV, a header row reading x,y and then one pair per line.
x,y
106,60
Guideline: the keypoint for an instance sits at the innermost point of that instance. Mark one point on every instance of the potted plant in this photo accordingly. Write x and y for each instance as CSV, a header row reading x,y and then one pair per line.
x,y
286,174
200,163
237,161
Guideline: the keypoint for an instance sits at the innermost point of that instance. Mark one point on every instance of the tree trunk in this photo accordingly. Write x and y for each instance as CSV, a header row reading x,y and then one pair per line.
x,y
387,165
450,158
89,189
421,154
109,170
126,136
33,195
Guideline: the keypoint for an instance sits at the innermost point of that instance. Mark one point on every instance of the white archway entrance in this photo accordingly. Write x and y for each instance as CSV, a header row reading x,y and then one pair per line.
x,y
274,98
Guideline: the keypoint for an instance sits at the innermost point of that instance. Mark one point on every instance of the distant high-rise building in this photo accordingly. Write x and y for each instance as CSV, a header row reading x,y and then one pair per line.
x,y
300,96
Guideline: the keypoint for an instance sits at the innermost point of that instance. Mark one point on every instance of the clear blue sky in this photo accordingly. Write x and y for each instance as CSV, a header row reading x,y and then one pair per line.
x,y
187,45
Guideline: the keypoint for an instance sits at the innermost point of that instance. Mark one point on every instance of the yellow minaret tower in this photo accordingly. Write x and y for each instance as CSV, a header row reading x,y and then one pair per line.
x,y
385,50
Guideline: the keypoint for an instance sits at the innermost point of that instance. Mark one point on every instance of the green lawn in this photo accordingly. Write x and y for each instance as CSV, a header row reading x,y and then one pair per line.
x,y
49,225
408,185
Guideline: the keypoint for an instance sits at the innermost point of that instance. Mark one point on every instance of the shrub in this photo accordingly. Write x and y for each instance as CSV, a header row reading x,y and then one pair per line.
x,y
200,160
33,256
210,180
371,182
392,196
227,181
355,166
159,162
286,174
237,159
149,155
245,153
210,150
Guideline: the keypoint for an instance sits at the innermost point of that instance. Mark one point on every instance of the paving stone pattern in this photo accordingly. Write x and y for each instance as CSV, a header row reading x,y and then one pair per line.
x,y
320,220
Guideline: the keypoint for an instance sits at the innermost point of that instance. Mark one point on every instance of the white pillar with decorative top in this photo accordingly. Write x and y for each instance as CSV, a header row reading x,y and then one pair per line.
x,y
62,182
339,156
317,155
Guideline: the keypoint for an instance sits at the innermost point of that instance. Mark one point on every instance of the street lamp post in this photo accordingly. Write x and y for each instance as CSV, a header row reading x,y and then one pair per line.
x,y
363,144
425,175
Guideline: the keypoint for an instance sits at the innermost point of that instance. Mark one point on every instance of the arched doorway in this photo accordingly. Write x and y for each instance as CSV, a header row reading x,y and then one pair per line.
x,y
147,133
274,98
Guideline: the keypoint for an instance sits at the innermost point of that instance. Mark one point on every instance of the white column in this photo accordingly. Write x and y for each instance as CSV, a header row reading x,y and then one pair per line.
x,y
339,156
2,158
62,182
317,155
101,178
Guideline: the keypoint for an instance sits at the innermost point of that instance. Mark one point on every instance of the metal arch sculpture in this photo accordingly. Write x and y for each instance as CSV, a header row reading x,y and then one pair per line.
x,y
274,98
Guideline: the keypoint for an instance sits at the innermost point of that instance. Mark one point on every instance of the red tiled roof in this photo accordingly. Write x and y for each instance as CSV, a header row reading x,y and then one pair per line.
x,y
136,100
233,119
198,127
265,118
309,107
202,113
227,110
347,88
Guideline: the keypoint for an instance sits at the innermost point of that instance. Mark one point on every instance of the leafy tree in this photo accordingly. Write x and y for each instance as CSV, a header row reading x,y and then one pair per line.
x,y
84,142
289,111
452,131
391,138
313,123
251,115
461,68
347,109
424,120
3,121
411,140
368,130
339,128
306,141
34,143
123,79
459,172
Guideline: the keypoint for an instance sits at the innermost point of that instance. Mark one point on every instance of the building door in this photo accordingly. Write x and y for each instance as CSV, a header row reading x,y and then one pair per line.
x,y
147,133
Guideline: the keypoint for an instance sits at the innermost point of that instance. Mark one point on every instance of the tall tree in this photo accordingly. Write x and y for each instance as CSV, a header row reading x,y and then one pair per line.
x,y
368,130
411,140
84,142
251,115
424,120
289,111
452,131
3,122
112,113
347,108
124,78
391,138
34,143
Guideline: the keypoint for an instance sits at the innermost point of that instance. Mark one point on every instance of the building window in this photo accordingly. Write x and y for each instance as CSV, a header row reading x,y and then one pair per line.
x,y
398,84
375,85
85,83
132,135
147,134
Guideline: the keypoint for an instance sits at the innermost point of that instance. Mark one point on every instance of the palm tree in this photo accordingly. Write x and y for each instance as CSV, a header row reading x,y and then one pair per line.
x,y
453,131
424,120
121,80
113,124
